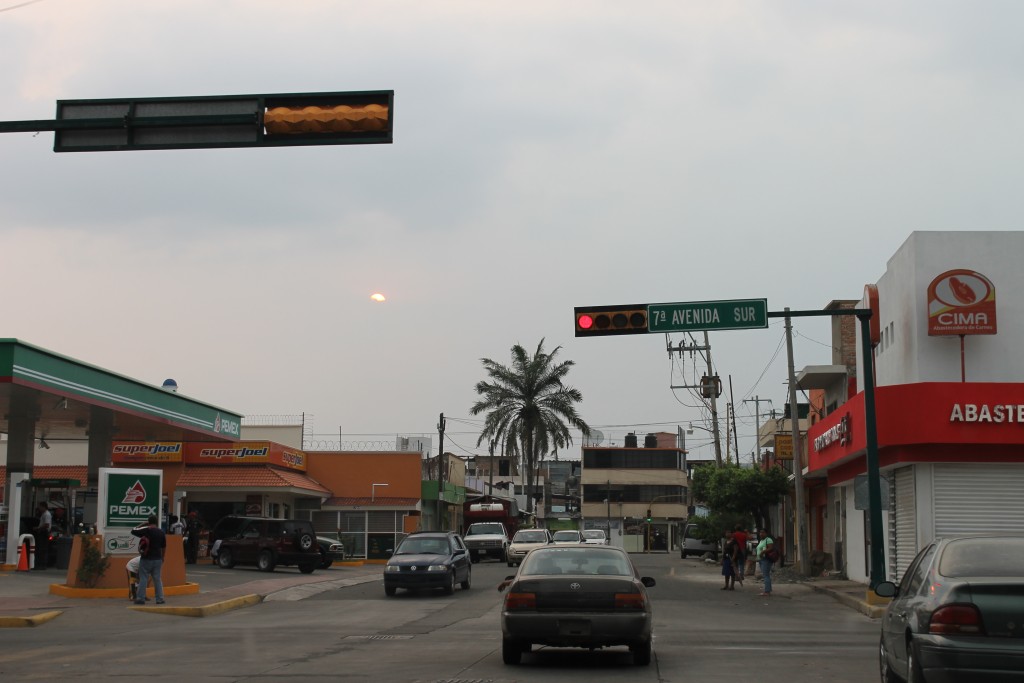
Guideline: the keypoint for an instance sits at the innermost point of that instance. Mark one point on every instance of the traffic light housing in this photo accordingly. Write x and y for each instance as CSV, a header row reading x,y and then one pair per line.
x,y
595,321
260,120
649,517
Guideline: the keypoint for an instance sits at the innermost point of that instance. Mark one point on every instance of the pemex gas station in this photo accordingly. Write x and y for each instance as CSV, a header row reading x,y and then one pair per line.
x,y
46,397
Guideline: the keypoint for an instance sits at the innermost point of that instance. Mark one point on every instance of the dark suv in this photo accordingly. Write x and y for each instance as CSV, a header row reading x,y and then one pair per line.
x,y
267,543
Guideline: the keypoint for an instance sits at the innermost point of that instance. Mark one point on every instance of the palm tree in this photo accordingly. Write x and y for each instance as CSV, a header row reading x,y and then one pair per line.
x,y
529,408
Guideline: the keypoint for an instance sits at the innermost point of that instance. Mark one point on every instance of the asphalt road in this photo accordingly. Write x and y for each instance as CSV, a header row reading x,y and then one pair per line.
x,y
330,630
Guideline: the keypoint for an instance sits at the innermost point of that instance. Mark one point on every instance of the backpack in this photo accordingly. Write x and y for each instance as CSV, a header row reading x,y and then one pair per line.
x,y
772,554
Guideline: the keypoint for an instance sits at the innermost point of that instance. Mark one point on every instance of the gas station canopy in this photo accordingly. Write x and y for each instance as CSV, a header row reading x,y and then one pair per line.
x,y
61,396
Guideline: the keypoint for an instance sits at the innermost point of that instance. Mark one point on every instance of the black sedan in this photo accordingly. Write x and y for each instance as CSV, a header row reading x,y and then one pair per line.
x,y
577,596
958,613
428,559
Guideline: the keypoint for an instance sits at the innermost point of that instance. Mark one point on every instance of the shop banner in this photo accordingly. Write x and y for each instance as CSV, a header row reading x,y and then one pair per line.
x,y
245,453
143,451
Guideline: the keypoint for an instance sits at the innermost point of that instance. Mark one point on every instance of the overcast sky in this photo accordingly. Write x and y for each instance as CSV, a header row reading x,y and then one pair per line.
x,y
546,155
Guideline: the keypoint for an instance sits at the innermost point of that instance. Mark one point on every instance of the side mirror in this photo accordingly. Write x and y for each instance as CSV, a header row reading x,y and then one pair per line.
x,y
648,581
886,589
460,551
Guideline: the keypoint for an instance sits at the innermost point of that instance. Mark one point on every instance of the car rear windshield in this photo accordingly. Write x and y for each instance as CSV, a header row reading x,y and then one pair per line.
x,y
593,560
595,533
478,529
999,557
567,536
530,537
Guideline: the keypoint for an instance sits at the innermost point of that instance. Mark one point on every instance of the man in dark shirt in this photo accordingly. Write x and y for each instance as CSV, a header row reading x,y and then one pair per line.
x,y
152,545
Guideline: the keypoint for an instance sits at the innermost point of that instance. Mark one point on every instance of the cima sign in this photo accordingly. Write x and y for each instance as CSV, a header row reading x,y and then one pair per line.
x,y
961,302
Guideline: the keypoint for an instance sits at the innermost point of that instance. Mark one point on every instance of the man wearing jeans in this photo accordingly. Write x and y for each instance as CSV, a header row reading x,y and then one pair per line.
x,y
152,545
764,551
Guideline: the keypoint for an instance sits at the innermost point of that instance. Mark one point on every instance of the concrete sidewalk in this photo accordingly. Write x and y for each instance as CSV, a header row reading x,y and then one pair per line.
x,y
26,599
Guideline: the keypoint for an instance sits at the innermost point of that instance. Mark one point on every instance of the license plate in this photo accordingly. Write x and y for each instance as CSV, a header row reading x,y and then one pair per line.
x,y
574,627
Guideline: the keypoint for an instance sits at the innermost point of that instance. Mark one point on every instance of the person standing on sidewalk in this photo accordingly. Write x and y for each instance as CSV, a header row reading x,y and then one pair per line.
x,y
729,562
42,535
741,538
765,551
152,545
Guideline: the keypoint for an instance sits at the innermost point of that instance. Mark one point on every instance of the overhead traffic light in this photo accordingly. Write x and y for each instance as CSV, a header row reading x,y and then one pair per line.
x,y
594,321
649,518
261,120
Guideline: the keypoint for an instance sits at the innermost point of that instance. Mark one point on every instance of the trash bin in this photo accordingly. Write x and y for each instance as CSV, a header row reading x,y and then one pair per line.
x,y
61,549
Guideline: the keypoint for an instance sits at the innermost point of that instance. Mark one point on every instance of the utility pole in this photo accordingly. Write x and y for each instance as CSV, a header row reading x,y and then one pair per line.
x,y
735,433
490,483
757,421
710,387
798,462
714,402
440,474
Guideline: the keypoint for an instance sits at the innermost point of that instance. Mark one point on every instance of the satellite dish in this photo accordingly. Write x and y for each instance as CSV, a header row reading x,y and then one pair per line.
x,y
596,437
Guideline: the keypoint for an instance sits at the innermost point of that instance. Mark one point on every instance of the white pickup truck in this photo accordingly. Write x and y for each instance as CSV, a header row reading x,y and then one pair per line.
x,y
487,539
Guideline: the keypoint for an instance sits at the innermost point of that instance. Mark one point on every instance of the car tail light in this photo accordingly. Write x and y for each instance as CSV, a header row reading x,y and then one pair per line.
x,y
629,601
515,601
956,619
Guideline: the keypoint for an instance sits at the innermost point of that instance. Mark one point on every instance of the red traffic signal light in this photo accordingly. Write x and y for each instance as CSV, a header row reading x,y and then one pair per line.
x,y
593,321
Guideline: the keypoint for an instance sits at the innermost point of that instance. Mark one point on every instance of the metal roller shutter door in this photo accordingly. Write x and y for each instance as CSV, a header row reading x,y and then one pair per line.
x,y
980,498
903,516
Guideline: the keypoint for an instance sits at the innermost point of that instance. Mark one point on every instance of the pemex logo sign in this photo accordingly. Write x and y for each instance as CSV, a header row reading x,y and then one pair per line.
x,y
130,497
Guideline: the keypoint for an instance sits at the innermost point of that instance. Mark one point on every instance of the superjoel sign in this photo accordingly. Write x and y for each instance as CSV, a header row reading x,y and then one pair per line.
x,y
146,452
961,302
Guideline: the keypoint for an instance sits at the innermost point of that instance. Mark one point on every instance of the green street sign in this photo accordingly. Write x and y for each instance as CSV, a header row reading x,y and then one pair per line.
x,y
694,316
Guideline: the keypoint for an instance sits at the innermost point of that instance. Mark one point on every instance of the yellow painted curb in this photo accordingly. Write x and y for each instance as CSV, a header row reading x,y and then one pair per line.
x,y
205,610
119,593
348,563
21,622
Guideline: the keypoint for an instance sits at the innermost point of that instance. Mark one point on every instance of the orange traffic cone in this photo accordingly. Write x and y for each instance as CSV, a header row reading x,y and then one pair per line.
x,y
23,557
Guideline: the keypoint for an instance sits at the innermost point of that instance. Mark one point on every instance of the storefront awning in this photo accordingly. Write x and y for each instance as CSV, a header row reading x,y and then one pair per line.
x,y
254,478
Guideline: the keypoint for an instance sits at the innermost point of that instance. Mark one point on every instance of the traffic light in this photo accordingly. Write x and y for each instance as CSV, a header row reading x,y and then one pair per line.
x,y
261,120
649,515
594,321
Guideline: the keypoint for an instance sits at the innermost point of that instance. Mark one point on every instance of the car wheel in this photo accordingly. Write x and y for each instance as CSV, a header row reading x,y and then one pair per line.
x,y
304,542
469,579
914,674
682,554
449,587
389,591
325,560
511,651
474,557
307,568
225,560
510,563
887,674
641,653
265,562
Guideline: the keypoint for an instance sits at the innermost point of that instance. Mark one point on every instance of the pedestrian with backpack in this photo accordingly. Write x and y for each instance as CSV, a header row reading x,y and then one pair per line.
x,y
767,555
152,544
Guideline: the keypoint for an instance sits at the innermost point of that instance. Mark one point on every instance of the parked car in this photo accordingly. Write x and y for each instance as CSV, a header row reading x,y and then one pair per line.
x,y
524,541
225,527
693,544
567,536
577,596
267,543
331,549
595,537
957,613
429,559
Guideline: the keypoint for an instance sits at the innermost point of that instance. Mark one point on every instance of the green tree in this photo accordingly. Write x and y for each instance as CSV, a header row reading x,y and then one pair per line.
x,y
529,409
731,490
